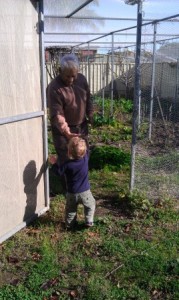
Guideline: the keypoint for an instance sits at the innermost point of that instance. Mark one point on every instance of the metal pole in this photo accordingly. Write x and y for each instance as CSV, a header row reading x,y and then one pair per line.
x,y
44,102
153,83
139,118
112,73
136,93
103,85
21,117
176,94
127,72
129,28
89,77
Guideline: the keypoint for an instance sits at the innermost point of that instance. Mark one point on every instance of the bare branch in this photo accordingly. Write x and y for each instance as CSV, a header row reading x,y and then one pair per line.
x,y
132,2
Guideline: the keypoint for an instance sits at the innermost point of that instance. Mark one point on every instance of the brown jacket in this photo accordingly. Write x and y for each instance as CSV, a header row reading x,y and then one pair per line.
x,y
68,105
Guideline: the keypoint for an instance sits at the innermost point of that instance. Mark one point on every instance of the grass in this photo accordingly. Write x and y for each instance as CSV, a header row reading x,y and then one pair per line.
x,y
130,253
124,256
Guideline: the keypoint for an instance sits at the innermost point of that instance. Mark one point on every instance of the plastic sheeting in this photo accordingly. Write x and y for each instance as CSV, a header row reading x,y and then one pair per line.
x,y
22,191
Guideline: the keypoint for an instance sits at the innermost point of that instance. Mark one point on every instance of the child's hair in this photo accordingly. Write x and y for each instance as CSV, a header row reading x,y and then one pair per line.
x,y
76,148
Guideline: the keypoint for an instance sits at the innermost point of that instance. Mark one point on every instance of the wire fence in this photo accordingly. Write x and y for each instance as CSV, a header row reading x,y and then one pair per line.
x,y
112,75
157,150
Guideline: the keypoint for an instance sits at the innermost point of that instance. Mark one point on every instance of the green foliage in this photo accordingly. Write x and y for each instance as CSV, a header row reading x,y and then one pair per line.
x,y
104,116
110,156
135,201
126,105
105,103
99,120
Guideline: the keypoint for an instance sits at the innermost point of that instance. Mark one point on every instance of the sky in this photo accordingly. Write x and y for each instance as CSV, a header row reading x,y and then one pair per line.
x,y
151,9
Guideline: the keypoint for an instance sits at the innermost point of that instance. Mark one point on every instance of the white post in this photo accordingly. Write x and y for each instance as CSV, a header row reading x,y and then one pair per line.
x,y
153,83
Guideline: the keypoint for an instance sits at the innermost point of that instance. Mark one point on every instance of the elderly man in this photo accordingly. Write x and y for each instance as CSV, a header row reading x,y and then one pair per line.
x,y
70,105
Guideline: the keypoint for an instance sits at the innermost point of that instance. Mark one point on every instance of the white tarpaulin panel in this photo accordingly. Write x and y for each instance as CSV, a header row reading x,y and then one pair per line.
x,y
19,58
21,180
22,192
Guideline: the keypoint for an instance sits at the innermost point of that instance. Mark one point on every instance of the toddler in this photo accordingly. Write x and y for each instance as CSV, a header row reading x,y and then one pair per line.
x,y
75,171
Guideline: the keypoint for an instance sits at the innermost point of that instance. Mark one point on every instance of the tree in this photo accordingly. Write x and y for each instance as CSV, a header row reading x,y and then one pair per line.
x,y
132,2
67,25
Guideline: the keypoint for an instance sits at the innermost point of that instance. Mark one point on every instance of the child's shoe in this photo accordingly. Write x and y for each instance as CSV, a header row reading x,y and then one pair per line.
x,y
89,224
72,227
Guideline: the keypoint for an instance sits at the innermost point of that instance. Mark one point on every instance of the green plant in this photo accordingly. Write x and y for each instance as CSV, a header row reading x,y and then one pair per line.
x,y
126,106
106,107
135,201
108,155
99,120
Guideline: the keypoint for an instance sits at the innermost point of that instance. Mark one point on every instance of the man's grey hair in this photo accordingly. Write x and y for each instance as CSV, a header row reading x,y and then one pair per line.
x,y
69,61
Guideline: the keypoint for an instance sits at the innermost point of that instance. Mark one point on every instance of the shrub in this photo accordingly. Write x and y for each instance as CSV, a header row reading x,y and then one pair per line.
x,y
135,202
102,156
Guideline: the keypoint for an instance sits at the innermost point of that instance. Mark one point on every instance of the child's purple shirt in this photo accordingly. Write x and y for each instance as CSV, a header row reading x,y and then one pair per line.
x,y
76,174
